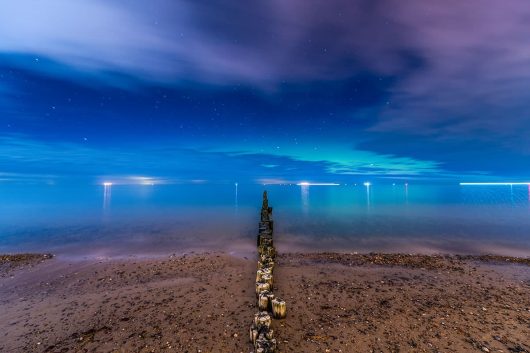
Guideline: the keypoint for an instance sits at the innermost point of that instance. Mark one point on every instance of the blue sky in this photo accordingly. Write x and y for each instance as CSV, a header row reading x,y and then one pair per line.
x,y
278,91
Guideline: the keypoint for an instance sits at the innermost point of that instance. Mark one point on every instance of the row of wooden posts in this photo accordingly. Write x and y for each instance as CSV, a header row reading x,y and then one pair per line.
x,y
261,333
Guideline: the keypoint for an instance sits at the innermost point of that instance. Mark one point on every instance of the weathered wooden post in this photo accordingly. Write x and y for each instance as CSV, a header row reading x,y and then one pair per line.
x,y
279,309
260,333
262,319
265,300
262,287
265,203
263,271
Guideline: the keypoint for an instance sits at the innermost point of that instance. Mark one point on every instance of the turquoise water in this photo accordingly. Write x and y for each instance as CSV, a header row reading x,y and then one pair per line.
x,y
160,219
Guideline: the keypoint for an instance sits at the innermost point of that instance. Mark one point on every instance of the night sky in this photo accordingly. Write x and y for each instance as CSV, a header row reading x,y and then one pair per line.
x,y
265,91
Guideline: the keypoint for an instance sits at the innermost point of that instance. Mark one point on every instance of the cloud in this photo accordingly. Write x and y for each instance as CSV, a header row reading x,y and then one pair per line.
x,y
214,42
462,65
86,35
477,56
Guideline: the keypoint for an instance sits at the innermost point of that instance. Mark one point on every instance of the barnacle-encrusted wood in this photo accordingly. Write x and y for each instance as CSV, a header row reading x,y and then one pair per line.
x,y
263,271
262,287
265,300
268,263
279,309
267,279
262,319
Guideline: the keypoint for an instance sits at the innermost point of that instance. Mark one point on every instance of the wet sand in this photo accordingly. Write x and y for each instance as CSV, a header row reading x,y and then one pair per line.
x,y
206,302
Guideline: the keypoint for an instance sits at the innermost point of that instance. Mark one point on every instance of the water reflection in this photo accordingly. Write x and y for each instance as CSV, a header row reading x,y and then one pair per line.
x,y
107,194
177,216
305,198
236,201
368,186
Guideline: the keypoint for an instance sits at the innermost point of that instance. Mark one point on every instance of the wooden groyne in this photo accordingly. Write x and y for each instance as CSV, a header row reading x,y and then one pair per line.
x,y
270,306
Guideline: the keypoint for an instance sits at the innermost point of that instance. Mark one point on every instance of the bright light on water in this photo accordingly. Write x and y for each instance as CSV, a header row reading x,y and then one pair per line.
x,y
498,183
305,183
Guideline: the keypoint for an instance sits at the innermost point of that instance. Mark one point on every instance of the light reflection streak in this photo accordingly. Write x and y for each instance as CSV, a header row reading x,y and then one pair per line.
x,y
305,198
305,183
495,184
367,185
107,194
236,198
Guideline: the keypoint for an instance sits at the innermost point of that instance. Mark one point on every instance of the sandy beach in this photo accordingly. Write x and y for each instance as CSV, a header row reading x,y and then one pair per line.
x,y
205,302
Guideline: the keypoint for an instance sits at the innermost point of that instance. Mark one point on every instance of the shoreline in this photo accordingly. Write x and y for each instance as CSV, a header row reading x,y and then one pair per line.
x,y
17,259
338,302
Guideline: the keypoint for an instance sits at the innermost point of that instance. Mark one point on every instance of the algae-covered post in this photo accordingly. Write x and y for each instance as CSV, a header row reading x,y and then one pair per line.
x,y
261,334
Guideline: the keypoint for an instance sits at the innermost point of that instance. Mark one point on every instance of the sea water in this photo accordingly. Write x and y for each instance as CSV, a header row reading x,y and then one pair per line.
x,y
122,220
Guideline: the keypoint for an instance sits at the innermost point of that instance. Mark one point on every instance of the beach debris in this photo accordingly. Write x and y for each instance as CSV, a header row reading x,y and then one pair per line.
x,y
261,334
9,262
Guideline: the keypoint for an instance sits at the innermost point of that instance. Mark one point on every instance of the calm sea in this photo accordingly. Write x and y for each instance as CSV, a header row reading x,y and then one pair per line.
x,y
117,220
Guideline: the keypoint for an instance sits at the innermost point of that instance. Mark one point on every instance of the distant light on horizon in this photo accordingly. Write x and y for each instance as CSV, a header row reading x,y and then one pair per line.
x,y
305,183
142,180
493,183
136,180
367,184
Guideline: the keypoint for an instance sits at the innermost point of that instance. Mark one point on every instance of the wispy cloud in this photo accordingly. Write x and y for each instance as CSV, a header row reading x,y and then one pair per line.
x,y
476,72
